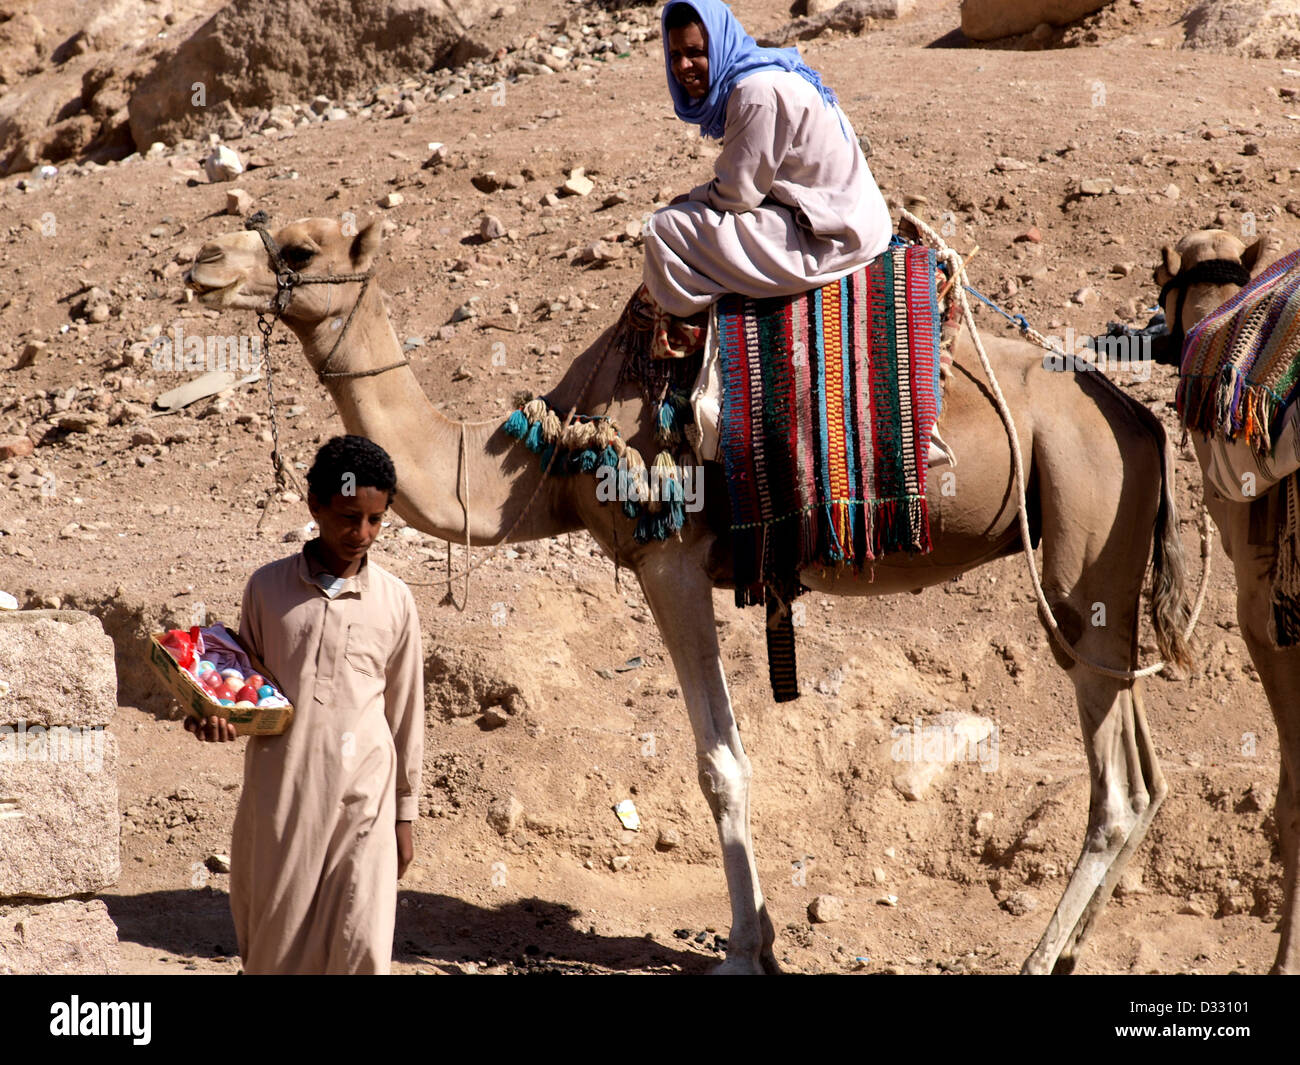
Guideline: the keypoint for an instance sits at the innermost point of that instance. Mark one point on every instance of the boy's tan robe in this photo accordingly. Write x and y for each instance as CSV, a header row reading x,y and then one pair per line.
x,y
313,871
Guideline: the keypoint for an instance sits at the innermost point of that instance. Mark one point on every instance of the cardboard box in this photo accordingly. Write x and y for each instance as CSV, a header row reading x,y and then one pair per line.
x,y
195,701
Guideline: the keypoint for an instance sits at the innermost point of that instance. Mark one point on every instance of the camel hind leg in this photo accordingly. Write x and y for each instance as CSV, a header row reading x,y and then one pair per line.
x,y
1096,535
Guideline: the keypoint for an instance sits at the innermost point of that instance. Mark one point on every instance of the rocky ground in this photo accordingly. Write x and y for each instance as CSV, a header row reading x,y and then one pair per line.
x,y
497,276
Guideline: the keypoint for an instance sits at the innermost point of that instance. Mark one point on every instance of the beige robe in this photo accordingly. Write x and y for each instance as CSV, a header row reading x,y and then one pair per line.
x,y
793,204
313,859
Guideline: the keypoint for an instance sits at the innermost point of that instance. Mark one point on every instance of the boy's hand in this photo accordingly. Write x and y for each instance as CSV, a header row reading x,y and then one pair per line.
x,y
405,849
211,729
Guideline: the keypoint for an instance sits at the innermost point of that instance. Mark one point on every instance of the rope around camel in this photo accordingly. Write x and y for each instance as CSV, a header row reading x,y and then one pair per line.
x,y
947,254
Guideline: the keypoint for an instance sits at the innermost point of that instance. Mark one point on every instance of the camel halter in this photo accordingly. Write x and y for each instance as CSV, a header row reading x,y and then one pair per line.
x,y
286,280
1209,272
947,254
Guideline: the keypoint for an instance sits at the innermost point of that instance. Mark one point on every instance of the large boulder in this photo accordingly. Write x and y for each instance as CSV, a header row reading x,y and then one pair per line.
x,y
989,20
67,938
258,53
1260,29
57,669
59,825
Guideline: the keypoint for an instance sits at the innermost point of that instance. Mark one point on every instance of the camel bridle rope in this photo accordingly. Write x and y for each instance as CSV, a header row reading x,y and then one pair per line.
x,y
949,255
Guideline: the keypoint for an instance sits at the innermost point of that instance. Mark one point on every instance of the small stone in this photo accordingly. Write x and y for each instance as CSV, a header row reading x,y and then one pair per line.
x,y
1171,192
461,373
620,862
614,199
222,164
335,114
99,313
491,228
218,863
1019,903
578,184
1084,296
393,199
83,422
145,436
1005,163
1250,148
320,104
826,908
505,814
238,202
492,718
447,332
669,839
1123,269
1032,235
15,447
1096,186
486,181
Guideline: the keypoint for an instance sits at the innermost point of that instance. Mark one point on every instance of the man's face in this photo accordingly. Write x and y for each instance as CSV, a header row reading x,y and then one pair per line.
x,y
688,56
349,525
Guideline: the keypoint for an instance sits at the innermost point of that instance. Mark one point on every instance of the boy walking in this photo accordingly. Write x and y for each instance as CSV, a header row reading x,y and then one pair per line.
x,y
323,830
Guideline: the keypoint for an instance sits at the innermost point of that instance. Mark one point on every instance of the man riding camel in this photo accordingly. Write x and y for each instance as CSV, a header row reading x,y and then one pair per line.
x,y
792,205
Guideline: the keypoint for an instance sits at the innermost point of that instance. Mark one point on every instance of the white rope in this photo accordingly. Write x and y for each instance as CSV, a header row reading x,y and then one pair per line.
x,y
947,254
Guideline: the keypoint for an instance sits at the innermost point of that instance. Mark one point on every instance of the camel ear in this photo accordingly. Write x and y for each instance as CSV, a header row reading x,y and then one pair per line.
x,y
1261,254
1170,263
365,245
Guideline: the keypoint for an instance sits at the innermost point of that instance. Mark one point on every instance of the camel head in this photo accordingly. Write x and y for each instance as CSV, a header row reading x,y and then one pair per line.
x,y
1204,270
235,269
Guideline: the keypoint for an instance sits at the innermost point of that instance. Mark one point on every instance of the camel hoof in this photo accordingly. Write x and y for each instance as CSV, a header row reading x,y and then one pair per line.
x,y
737,967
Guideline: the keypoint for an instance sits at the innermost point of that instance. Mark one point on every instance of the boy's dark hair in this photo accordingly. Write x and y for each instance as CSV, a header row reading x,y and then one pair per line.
x,y
682,15
346,463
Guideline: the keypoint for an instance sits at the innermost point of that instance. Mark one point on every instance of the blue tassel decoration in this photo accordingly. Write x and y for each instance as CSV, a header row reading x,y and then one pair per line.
x,y
533,438
587,460
516,425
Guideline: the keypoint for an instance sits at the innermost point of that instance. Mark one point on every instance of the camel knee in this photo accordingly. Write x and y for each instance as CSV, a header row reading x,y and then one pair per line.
x,y
724,779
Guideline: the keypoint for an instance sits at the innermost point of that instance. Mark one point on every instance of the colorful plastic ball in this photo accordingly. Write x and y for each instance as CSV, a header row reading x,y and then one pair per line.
x,y
231,674
226,702
254,680
247,694
205,666
265,691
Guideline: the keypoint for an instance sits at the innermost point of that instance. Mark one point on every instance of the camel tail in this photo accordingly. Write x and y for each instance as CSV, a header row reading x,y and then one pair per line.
x,y
1170,610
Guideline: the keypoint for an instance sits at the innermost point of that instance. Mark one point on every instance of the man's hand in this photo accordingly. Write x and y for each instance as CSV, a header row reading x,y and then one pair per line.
x,y
405,849
211,729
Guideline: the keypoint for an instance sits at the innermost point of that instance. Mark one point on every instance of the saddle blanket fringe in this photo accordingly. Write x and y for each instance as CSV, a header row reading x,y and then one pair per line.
x,y
1241,364
828,402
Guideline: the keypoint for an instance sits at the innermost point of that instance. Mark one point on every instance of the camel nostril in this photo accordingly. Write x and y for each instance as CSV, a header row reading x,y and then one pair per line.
x,y
209,253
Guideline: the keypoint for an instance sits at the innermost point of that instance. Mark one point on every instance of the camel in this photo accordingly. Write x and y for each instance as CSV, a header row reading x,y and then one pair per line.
x,y
1197,294
1100,485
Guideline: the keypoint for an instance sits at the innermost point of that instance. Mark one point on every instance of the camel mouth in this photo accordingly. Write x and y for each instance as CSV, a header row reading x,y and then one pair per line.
x,y
213,295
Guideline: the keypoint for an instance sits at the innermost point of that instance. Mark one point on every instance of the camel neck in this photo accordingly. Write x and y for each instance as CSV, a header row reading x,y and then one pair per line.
x,y
435,455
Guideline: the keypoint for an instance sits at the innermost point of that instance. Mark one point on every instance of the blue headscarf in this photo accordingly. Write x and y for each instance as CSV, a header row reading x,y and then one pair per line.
x,y
733,55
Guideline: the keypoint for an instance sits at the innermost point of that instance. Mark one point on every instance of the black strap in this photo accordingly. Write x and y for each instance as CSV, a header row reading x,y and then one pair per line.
x,y
780,649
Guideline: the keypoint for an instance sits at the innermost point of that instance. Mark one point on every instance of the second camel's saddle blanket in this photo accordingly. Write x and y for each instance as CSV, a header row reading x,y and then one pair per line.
x,y
1238,382
829,398
1241,364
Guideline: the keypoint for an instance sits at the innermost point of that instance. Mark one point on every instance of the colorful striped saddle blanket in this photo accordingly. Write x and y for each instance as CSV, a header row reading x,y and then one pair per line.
x,y
828,402
1241,364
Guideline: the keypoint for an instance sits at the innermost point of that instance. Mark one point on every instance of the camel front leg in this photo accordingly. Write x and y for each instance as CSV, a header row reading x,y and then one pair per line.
x,y
1279,672
681,599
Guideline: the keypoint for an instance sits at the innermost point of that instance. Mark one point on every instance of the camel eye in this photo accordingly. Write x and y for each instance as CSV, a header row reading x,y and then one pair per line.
x,y
297,255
